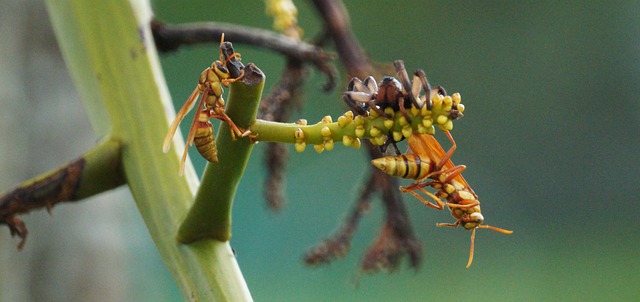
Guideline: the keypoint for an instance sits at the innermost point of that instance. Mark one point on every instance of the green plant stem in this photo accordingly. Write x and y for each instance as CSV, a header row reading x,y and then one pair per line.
x,y
110,53
94,172
210,215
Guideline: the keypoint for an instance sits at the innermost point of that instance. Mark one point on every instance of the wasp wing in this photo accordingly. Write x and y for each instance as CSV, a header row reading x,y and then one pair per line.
x,y
427,145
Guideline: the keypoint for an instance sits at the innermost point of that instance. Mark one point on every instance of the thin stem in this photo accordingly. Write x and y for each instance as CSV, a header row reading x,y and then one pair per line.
x,y
97,171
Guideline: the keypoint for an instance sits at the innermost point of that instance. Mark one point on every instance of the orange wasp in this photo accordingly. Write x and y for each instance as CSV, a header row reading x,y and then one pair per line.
x,y
431,167
211,105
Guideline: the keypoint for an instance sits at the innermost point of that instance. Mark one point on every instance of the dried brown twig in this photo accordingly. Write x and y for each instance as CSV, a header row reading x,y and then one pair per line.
x,y
171,37
396,237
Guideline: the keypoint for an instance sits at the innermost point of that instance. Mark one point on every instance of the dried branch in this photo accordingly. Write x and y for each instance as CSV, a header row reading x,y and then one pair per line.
x,y
171,37
339,244
396,237
338,27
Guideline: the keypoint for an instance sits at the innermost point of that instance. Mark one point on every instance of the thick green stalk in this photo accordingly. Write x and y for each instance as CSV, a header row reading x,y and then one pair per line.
x,y
111,56
210,215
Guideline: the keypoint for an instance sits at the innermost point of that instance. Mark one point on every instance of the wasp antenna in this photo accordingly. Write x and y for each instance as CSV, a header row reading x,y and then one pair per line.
x,y
221,41
235,54
473,237
499,230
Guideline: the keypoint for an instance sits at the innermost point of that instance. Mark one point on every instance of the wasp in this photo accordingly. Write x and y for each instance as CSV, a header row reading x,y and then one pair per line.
x,y
211,105
396,93
431,167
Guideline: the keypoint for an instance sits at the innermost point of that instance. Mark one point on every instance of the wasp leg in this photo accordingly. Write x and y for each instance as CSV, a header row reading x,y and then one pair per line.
x,y
462,206
218,113
226,82
404,110
455,224
390,142
419,186
420,81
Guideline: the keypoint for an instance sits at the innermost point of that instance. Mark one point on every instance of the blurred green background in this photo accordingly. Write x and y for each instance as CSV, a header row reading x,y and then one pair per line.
x,y
550,139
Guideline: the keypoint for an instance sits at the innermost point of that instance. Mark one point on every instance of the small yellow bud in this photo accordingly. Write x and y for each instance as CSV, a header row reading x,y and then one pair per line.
x,y
431,130
318,148
349,115
358,120
328,145
301,122
422,129
373,114
415,110
356,143
342,121
397,136
402,121
388,123
389,112
442,119
380,140
424,111
447,126
300,147
327,119
456,98
460,107
447,101
406,131
359,131
325,131
347,140
437,100
374,131
427,121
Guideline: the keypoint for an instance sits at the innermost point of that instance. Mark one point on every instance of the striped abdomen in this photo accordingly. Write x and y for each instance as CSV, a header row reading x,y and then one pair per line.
x,y
204,140
409,166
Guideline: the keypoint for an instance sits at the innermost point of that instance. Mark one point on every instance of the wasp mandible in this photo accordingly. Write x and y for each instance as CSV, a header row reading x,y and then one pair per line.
x,y
211,105
431,167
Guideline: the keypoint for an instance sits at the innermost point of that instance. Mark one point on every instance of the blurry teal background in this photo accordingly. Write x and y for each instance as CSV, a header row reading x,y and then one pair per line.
x,y
550,138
